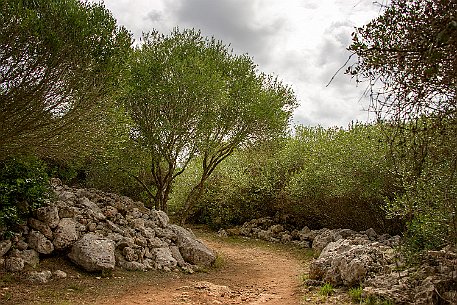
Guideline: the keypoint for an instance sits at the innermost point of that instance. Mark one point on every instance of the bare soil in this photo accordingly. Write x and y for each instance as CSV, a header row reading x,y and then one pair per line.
x,y
246,272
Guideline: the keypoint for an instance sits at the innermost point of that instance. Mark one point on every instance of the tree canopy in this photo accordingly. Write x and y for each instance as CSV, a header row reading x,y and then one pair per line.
x,y
408,56
59,62
190,95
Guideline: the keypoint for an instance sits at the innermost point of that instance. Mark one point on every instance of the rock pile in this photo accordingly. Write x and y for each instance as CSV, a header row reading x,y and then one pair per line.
x,y
99,231
270,230
434,281
349,258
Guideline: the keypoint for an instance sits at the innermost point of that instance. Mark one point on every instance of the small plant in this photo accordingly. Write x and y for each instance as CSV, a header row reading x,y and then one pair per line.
x,y
75,288
219,262
107,272
7,279
356,294
304,277
326,290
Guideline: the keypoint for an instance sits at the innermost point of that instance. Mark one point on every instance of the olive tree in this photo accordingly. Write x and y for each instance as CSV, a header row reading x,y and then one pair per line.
x,y
408,56
192,96
59,63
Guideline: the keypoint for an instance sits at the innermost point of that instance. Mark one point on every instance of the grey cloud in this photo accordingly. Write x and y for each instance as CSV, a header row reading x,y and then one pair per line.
x,y
154,16
232,21
332,56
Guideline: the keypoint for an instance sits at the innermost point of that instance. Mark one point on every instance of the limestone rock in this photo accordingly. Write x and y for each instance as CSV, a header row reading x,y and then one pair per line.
x,y
39,277
41,227
130,254
132,266
177,256
30,257
65,234
159,217
276,229
21,245
192,250
59,274
14,264
40,243
49,215
348,262
163,258
93,253
5,246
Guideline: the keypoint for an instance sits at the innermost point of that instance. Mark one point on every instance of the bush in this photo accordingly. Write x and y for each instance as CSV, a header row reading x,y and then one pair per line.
x,y
320,177
343,178
24,187
426,159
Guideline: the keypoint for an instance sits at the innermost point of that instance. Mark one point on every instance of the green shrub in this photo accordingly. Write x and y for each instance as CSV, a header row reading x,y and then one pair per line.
x,y
321,177
425,156
356,294
326,290
24,187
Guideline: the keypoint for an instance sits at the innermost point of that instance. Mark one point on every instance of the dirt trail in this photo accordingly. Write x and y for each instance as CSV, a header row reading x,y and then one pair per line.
x,y
249,275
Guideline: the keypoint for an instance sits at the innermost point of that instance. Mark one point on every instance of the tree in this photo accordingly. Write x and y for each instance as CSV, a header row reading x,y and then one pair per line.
x,y
408,57
190,95
59,63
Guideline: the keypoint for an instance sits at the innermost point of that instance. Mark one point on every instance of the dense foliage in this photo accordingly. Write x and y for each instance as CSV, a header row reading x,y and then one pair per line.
x,y
59,63
408,57
24,187
189,95
319,177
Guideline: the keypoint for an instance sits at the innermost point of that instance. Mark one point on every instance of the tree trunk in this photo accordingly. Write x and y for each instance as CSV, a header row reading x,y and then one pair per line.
x,y
194,194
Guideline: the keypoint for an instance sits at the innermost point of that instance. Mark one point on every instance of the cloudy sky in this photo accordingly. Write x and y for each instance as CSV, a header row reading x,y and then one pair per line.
x,y
303,42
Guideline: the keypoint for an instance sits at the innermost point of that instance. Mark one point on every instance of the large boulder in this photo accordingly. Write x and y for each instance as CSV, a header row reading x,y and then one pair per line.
x,y
192,250
349,261
93,253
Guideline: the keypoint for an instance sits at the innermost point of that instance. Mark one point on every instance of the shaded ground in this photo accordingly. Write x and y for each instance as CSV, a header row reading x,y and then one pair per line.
x,y
247,272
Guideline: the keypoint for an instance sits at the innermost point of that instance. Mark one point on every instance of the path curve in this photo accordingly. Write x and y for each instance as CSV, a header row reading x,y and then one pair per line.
x,y
250,275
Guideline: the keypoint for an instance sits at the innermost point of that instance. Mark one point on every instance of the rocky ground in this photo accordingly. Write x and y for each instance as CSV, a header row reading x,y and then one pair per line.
x,y
247,272
107,242
350,259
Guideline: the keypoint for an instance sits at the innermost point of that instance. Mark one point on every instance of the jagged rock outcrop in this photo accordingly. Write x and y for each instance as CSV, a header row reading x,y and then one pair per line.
x,y
99,231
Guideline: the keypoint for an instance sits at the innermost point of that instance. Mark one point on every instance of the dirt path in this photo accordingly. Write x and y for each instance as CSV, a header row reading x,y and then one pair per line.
x,y
250,274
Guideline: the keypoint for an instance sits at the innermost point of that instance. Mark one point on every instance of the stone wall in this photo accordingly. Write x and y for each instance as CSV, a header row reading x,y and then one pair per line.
x,y
99,231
